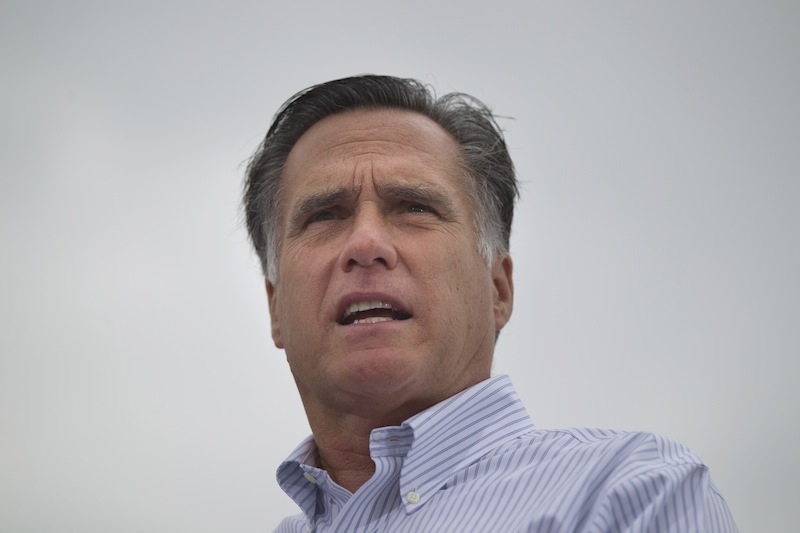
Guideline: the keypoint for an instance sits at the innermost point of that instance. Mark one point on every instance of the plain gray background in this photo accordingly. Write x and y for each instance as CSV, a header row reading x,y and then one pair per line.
x,y
656,244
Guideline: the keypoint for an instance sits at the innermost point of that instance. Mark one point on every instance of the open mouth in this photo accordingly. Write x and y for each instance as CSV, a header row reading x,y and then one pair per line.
x,y
371,312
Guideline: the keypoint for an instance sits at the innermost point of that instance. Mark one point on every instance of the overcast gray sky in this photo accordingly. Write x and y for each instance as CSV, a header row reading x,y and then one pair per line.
x,y
656,246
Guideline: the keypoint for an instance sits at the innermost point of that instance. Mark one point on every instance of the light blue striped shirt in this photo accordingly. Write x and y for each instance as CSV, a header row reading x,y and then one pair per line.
x,y
475,462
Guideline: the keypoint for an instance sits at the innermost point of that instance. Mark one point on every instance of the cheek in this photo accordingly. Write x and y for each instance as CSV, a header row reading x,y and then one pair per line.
x,y
293,258
304,285
473,293
292,307
462,290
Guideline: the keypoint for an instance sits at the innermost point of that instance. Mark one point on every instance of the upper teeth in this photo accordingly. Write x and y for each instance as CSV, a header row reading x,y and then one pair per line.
x,y
365,306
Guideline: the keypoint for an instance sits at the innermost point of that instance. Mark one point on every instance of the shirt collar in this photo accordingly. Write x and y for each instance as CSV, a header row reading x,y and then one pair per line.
x,y
455,433
444,439
292,477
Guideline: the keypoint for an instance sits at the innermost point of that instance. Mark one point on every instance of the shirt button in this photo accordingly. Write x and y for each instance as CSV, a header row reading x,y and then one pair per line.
x,y
412,497
310,477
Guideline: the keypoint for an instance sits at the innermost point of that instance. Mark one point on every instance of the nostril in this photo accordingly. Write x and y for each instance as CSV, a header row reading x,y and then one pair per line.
x,y
354,262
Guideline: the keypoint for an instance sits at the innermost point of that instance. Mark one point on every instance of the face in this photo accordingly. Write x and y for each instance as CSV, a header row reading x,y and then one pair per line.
x,y
382,297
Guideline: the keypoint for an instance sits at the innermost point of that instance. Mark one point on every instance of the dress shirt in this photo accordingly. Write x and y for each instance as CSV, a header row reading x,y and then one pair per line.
x,y
476,463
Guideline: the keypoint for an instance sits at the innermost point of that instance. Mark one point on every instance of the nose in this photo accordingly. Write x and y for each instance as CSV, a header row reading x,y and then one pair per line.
x,y
369,242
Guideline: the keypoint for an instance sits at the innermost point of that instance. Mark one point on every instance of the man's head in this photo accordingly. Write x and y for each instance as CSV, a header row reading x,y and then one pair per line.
x,y
484,157
384,233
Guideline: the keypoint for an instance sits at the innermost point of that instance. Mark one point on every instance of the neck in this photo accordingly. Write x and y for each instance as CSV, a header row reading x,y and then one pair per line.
x,y
344,453
343,438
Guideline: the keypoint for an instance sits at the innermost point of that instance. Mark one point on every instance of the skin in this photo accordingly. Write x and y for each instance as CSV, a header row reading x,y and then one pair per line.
x,y
375,206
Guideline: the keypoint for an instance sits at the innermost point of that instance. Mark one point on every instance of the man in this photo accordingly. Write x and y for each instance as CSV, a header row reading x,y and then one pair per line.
x,y
382,217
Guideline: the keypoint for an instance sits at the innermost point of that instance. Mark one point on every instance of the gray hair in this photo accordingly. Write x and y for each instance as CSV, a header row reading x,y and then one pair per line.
x,y
484,154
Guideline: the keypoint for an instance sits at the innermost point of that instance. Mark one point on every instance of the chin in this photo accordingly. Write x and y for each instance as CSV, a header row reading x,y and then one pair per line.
x,y
376,375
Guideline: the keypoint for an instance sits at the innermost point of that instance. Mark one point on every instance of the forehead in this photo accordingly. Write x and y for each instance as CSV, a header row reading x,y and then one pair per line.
x,y
383,143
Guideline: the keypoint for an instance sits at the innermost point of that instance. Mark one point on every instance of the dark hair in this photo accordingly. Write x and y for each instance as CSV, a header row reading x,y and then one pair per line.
x,y
484,154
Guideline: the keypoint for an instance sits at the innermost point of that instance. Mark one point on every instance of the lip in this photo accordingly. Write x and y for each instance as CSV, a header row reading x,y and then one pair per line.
x,y
350,298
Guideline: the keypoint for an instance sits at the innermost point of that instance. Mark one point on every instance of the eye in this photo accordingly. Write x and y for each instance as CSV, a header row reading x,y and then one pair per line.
x,y
419,208
322,216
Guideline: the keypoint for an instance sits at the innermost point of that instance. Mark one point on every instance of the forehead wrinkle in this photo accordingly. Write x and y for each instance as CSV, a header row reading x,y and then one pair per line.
x,y
361,148
384,139
402,143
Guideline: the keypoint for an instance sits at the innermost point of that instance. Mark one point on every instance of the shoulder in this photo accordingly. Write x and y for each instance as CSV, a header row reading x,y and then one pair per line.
x,y
618,480
602,457
641,444
587,479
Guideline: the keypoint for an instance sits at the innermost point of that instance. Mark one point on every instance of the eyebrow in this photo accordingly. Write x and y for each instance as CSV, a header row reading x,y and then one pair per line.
x,y
316,201
422,194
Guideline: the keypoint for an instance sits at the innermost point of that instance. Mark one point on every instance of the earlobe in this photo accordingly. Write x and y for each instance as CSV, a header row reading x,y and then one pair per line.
x,y
503,290
272,298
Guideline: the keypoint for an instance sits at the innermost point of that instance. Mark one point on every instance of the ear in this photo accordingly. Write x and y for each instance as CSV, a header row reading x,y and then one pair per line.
x,y
272,297
503,290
